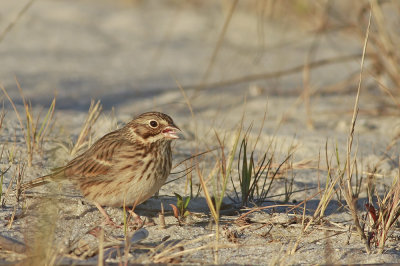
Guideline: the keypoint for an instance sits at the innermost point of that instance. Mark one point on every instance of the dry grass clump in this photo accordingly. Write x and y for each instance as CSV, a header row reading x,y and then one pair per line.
x,y
84,139
35,130
383,217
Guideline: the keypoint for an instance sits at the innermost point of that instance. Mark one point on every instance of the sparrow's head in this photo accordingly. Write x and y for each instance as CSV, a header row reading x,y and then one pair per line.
x,y
153,126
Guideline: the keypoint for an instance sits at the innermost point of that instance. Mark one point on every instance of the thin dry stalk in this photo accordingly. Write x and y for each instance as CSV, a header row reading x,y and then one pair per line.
x,y
17,18
174,251
84,135
100,261
3,172
19,179
241,217
219,42
166,38
348,191
275,74
206,192
189,178
386,90
303,230
307,73
189,105
2,115
161,218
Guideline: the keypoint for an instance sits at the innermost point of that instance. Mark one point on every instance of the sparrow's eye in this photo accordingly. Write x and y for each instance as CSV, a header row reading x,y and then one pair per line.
x,y
153,123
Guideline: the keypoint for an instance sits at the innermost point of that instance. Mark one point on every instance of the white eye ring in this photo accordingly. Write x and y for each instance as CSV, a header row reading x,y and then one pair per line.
x,y
153,123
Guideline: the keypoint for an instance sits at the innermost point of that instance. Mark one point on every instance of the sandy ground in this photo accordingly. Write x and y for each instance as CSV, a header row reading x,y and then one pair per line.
x,y
130,55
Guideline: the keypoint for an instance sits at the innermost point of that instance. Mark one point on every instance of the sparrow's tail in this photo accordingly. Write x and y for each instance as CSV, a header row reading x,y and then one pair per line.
x,y
36,182
56,175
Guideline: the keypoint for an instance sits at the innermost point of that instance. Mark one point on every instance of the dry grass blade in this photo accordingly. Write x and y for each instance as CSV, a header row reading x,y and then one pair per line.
x,y
386,90
348,191
2,116
174,251
219,42
185,172
2,178
207,195
8,190
46,122
17,18
100,261
192,157
241,217
214,203
93,114
275,74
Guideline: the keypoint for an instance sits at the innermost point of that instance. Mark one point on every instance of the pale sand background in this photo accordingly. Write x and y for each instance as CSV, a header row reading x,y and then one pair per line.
x,y
128,54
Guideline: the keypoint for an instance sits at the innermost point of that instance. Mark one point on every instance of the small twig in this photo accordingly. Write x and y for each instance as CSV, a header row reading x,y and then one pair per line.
x,y
262,208
161,217
275,74
219,42
194,156
17,18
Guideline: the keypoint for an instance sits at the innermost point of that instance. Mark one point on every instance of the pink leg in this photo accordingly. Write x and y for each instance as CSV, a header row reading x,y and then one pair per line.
x,y
136,217
103,212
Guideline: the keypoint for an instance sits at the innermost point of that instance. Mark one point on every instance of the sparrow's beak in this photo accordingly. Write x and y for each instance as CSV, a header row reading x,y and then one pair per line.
x,y
171,132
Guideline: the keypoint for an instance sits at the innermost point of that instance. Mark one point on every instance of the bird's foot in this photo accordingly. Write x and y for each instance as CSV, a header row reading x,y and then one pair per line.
x,y
107,220
137,221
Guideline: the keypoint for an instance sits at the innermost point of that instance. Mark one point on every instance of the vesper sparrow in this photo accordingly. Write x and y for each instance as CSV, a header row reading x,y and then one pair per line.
x,y
128,165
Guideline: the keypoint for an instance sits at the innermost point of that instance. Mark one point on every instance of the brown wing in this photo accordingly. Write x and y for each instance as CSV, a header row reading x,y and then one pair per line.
x,y
97,161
